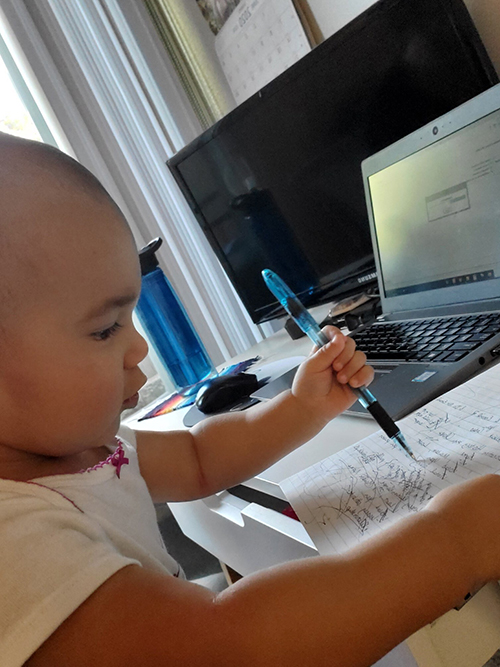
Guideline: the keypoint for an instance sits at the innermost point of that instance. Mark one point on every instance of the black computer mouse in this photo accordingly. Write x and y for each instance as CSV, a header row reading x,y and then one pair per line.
x,y
224,391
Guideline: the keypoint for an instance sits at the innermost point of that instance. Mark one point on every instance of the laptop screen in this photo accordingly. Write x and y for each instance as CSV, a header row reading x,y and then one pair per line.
x,y
436,216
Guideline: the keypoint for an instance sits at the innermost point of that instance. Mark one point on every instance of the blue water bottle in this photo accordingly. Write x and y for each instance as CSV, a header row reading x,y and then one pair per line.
x,y
168,327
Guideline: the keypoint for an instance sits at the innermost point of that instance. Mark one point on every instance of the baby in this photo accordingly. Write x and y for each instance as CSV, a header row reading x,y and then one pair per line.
x,y
85,577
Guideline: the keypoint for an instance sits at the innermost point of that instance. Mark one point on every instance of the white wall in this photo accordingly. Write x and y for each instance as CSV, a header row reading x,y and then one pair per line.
x,y
331,15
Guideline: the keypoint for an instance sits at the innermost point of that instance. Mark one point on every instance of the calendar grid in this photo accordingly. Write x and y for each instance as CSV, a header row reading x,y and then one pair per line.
x,y
261,39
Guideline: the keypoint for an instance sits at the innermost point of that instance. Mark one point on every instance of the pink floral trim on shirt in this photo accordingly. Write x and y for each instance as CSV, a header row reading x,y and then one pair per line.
x,y
117,459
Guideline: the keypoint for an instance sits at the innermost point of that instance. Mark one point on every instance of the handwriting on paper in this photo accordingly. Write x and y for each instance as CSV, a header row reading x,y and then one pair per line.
x,y
355,493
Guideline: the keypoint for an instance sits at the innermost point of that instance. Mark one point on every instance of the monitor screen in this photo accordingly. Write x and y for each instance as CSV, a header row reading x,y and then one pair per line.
x,y
277,182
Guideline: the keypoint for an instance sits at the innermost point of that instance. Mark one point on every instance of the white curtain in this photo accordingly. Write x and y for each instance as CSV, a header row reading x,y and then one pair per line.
x,y
116,97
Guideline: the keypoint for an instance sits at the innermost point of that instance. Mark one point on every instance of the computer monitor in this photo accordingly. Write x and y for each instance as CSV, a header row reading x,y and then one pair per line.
x,y
277,182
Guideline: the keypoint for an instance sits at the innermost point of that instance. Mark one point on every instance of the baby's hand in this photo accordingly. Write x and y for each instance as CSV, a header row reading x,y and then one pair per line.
x,y
322,381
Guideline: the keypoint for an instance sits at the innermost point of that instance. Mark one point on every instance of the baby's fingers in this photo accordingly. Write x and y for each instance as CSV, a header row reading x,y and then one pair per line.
x,y
346,355
324,357
356,372
331,333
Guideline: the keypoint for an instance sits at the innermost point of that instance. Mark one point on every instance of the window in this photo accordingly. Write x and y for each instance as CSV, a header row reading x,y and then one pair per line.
x,y
14,117
19,113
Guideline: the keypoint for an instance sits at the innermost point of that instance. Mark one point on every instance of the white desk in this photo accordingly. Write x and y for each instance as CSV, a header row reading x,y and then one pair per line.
x,y
249,537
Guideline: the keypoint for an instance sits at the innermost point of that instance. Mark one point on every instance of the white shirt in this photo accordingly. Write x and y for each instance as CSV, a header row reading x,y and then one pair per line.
x,y
63,536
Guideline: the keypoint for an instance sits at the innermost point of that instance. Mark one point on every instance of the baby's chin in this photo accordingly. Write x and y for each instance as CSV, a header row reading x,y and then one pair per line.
x,y
112,432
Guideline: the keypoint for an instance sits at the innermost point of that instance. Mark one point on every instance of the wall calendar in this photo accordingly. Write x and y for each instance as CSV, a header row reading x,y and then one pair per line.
x,y
260,40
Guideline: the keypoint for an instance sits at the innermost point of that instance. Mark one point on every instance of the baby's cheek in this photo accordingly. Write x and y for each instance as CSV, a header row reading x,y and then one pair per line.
x,y
109,396
102,390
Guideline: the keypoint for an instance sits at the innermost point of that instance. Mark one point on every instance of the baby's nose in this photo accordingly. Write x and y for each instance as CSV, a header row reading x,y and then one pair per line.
x,y
137,351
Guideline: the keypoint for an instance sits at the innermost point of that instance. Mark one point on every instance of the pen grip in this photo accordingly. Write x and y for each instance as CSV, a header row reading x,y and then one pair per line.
x,y
382,418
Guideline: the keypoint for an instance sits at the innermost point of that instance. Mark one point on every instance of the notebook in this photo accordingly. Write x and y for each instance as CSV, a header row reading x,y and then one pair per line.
x,y
433,201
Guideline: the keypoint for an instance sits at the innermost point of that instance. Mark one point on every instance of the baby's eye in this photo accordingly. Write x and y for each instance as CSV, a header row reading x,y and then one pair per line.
x,y
107,333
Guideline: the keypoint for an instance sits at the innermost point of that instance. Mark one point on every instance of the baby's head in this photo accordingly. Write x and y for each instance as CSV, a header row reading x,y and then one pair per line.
x,y
69,280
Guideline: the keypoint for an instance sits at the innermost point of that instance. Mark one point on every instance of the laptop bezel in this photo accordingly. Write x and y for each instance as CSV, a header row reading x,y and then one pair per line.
x,y
451,299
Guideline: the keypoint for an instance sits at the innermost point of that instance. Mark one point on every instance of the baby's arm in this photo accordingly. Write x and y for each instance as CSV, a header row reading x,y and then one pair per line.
x,y
225,450
347,611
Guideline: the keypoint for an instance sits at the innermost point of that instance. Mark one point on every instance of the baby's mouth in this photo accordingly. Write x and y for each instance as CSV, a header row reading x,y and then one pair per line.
x,y
131,402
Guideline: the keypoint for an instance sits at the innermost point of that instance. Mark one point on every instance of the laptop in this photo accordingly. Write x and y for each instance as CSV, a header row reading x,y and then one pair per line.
x,y
433,201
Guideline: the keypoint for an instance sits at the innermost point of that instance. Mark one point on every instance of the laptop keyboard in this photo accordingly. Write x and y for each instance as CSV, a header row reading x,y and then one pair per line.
x,y
437,339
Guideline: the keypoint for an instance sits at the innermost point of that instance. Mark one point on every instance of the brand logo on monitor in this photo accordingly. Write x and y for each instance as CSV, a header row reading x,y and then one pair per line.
x,y
367,278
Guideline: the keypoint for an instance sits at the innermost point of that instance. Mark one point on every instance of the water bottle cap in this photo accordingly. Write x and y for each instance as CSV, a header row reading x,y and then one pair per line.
x,y
147,256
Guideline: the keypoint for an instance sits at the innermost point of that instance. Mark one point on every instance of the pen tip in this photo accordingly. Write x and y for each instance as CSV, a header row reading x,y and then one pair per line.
x,y
401,440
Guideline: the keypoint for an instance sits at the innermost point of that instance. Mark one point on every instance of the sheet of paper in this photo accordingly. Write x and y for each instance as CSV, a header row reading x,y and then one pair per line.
x,y
357,492
260,40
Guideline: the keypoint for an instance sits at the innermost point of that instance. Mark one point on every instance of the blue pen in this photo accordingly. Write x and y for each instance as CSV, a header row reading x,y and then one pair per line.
x,y
310,327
